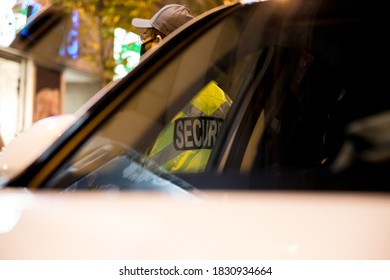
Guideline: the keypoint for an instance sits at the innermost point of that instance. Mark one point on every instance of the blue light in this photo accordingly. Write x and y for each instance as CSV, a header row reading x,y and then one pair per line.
x,y
71,45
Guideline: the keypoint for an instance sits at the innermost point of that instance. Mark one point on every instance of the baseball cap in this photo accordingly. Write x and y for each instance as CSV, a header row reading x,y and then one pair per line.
x,y
166,20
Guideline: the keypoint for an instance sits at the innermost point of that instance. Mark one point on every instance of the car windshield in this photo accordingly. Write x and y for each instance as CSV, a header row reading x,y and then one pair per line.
x,y
262,89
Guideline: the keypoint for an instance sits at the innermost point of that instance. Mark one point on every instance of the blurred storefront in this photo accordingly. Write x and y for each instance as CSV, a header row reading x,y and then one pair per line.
x,y
40,74
50,62
13,93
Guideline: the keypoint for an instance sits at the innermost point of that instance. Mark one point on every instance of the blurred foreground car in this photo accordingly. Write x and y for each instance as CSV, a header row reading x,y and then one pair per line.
x,y
309,112
225,226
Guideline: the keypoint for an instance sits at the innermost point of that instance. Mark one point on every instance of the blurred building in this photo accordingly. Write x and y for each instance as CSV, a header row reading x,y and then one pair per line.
x,y
50,62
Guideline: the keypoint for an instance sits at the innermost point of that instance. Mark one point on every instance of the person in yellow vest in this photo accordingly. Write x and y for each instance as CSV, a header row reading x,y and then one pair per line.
x,y
186,143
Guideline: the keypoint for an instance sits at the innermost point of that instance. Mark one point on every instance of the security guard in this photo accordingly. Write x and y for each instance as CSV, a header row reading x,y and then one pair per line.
x,y
186,143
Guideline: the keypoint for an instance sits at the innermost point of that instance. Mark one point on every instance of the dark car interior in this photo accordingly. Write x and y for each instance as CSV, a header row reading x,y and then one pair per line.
x,y
313,87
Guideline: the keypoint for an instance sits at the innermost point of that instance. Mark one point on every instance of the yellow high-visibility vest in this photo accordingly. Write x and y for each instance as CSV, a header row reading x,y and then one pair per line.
x,y
186,143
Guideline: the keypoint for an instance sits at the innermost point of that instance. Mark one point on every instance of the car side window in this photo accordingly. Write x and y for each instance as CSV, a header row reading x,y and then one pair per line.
x,y
172,123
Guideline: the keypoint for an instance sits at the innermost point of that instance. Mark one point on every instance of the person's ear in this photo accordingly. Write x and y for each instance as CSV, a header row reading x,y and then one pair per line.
x,y
156,41
158,38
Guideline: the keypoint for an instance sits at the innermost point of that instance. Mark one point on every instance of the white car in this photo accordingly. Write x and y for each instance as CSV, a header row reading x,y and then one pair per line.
x,y
223,226
296,169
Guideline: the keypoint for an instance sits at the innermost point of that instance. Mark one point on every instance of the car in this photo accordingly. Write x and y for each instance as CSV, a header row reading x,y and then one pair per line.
x,y
249,225
306,111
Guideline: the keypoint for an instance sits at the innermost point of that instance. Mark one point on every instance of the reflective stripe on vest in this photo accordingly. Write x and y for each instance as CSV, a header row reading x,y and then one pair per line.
x,y
185,144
